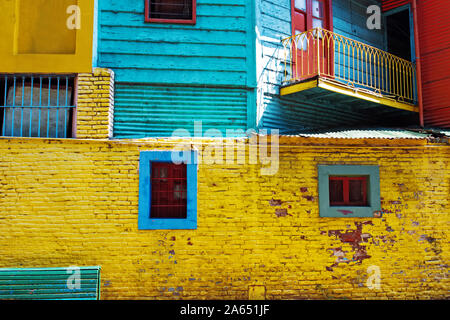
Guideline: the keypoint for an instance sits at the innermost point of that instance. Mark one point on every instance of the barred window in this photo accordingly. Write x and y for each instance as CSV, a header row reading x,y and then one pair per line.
x,y
168,190
36,105
170,11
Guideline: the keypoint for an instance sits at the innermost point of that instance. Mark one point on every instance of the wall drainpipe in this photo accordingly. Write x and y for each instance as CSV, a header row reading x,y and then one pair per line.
x,y
418,62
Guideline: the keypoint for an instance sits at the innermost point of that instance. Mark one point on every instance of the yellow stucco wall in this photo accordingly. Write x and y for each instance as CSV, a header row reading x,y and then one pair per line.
x,y
35,36
75,202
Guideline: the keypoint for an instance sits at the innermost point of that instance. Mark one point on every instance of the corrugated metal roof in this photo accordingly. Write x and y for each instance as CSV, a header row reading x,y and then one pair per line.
x,y
371,134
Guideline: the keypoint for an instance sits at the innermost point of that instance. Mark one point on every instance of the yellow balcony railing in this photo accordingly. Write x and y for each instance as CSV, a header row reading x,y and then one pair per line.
x,y
319,52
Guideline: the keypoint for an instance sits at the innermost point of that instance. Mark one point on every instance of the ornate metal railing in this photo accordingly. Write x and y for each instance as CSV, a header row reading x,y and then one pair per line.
x,y
320,52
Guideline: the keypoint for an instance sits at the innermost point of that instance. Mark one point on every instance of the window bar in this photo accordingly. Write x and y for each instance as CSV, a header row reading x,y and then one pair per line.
x,y
4,103
48,105
21,108
31,104
65,110
40,106
57,105
13,107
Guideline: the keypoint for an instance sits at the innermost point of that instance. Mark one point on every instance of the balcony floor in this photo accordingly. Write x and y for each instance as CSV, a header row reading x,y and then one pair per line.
x,y
321,88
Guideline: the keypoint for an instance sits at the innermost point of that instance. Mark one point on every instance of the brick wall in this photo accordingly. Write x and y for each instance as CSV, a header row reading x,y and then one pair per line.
x,y
95,104
75,202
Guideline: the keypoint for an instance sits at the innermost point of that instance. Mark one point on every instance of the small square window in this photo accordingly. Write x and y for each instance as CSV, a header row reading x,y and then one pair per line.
x,y
167,190
349,191
170,11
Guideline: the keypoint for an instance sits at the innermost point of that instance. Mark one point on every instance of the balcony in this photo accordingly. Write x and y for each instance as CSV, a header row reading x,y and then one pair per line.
x,y
322,64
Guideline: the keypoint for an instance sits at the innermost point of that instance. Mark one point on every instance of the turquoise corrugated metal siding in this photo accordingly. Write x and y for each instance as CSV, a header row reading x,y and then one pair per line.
x,y
146,111
215,51
48,284
289,114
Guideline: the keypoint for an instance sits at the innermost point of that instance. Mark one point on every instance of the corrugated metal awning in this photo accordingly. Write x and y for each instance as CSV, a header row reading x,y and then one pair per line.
x,y
372,133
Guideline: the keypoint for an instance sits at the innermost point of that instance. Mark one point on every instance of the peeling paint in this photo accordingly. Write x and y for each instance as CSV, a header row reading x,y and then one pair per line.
x,y
427,238
275,202
345,212
354,238
309,198
282,213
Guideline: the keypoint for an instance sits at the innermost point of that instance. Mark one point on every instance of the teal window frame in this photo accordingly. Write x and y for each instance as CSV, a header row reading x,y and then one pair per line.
x,y
373,191
145,222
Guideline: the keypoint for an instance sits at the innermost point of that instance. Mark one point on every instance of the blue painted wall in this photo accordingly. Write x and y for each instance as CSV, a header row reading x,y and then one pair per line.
x,y
290,114
349,19
214,57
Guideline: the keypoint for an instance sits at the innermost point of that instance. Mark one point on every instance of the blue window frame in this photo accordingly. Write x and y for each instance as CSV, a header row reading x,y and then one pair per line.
x,y
145,222
371,205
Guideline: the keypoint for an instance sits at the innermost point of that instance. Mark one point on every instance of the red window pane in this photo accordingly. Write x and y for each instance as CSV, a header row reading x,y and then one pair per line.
x,y
169,190
348,191
355,191
336,191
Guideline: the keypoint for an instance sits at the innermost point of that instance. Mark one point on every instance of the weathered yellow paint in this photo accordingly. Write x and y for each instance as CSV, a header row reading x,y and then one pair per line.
x,y
75,202
298,87
35,37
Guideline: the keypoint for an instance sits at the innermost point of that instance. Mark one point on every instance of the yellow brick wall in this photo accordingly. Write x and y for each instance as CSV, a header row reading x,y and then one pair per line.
x,y
75,202
95,104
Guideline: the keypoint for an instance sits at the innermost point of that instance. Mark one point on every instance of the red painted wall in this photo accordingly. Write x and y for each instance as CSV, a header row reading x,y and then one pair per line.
x,y
434,39
391,4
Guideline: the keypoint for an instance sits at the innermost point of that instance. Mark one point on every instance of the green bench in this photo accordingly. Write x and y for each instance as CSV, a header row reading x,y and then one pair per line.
x,y
72,283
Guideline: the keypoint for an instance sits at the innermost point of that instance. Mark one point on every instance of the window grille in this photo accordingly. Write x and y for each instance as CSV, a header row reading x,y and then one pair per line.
x,y
36,105
169,190
170,11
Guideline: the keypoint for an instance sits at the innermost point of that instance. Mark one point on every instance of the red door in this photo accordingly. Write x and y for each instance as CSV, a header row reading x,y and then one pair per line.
x,y
307,15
